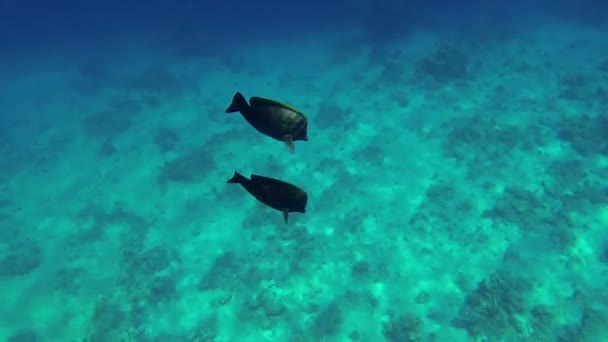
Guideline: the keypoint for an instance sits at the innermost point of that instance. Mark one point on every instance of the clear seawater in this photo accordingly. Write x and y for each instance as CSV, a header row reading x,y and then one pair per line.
x,y
456,168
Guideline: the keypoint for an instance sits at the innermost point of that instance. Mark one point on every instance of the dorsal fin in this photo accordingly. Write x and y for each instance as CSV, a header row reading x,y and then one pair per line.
x,y
256,101
268,180
258,178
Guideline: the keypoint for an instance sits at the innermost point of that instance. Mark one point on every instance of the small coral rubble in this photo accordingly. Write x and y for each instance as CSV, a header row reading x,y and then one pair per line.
x,y
480,139
166,139
229,272
190,167
520,207
329,321
23,336
446,64
403,328
585,133
331,116
24,257
490,310
111,122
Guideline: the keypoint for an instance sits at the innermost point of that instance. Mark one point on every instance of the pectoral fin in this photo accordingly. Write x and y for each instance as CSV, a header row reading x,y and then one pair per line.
x,y
286,215
289,142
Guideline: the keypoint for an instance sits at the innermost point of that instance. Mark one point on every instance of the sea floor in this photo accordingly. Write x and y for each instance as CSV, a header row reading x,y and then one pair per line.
x,y
457,192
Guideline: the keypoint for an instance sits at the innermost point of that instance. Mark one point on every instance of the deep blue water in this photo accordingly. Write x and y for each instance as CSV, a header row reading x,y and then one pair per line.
x,y
29,27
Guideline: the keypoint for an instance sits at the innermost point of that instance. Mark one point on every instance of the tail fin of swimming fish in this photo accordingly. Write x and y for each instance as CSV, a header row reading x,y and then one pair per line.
x,y
237,178
239,102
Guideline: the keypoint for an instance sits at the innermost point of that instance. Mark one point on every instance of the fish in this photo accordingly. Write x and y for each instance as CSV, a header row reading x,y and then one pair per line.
x,y
277,194
272,118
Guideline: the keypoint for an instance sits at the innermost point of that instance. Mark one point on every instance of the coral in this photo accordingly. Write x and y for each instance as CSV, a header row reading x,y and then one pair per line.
x,y
568,172
353,218
264,309
483,143
360,269
269,302
370,269
447,63
23,336
441,211
490,309
543,323
370,155
23,257
398,19
603,254
153,260
562,235
577,185
328,322
124,107
166,139
585,133
192,167
107,148
331,116
107,124
569,333
206,331
572,87
222,274
403,328
69,279
155,80
144,277
587,89
94,221
163,288
520,207
423,297
140,266
594,324
108,320
229,272
305,246
603,66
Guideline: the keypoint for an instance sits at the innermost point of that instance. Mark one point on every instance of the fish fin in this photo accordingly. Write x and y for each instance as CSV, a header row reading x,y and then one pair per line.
x,y
286,215
237,178
256,101
238,103
289,142
262,180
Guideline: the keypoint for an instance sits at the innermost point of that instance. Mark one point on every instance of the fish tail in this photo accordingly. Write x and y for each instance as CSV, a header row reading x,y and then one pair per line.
x,y
238,103
237,178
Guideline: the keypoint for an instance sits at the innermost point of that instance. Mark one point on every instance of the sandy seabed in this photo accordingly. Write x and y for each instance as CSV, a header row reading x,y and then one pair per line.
x,y
457,192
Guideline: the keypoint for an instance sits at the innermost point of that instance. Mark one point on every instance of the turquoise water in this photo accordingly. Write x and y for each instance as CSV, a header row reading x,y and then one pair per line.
x,y
457,190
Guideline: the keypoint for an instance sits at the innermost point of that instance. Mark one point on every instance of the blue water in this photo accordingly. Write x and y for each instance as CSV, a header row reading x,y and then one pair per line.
x,y
456,171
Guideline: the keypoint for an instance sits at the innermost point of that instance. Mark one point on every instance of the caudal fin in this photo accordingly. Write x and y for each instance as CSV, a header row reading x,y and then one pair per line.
x,y
238,103
237,178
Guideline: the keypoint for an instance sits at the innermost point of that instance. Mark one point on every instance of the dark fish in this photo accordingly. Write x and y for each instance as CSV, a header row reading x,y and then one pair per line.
x,y
272,118
275,193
